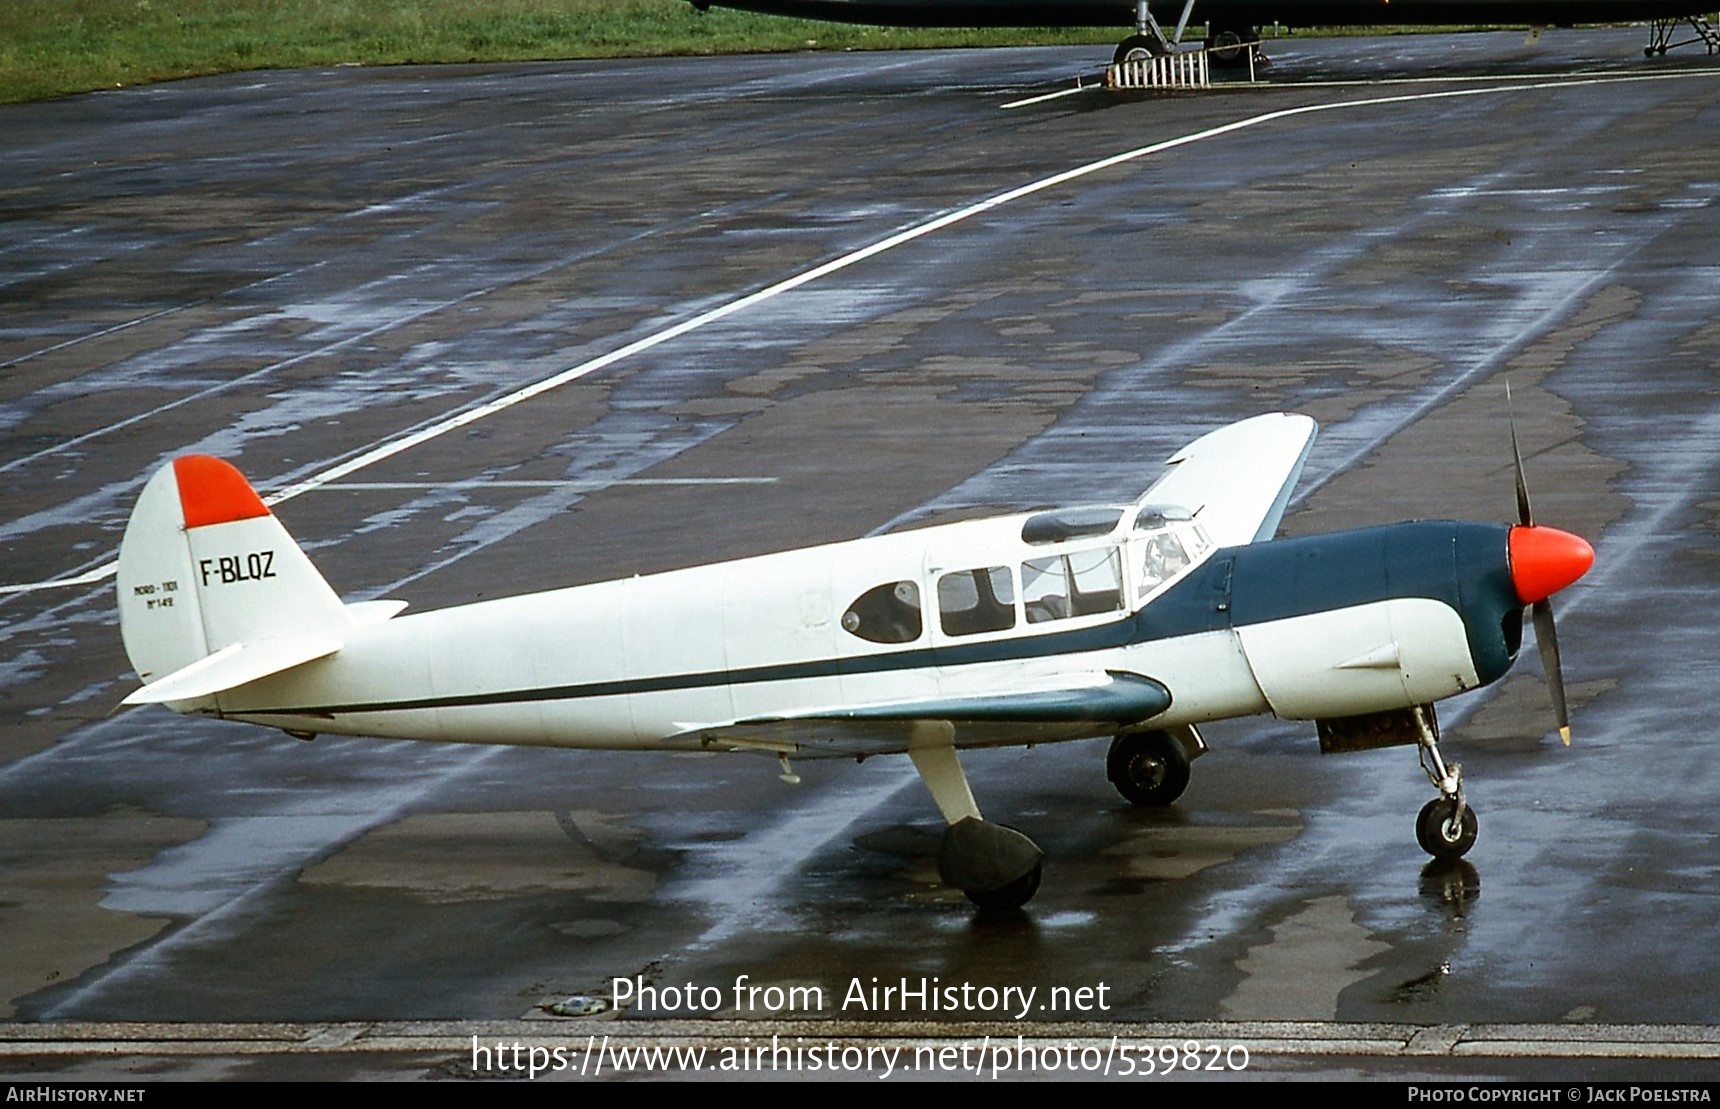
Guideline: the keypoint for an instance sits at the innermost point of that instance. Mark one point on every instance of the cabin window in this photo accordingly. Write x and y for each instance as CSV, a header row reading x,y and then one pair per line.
x,y
888,613
974,601
1080,583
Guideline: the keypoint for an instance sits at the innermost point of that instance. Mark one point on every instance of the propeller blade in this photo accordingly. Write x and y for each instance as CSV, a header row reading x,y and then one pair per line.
x,y
1543,561
1547,642
1524,516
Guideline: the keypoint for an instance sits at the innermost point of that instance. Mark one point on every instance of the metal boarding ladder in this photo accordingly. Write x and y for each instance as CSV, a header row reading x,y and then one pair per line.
x,y
1186,69
1661,31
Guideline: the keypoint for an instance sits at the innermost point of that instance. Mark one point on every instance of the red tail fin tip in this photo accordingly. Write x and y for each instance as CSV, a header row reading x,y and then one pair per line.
x,y
213,492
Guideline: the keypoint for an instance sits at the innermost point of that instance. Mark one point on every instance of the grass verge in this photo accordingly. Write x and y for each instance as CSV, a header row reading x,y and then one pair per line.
x,y
54,47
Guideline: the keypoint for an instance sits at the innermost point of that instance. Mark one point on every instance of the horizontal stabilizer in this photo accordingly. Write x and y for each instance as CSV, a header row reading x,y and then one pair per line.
x,y
234,666
374,612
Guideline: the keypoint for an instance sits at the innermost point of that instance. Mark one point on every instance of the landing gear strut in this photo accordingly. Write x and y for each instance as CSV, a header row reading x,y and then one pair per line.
x,y
1226,44
1446,827
1661,32
1148,41
997,867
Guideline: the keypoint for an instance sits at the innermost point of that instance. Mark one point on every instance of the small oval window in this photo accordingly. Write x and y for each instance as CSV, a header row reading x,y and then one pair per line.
x,y
888,613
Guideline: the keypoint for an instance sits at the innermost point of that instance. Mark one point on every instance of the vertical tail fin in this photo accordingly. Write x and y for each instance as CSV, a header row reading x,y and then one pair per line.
x,y
213,592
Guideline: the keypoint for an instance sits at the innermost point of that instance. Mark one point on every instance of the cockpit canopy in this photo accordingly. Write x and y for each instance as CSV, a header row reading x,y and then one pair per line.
x,y
1150,517
1170,542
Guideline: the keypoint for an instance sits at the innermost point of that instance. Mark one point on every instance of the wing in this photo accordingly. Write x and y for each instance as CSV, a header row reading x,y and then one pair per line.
x,y
1238,479
1075,709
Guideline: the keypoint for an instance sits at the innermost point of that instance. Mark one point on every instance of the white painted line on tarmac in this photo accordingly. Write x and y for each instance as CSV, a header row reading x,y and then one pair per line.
x,y
438,428
593,486
1049,96
88,577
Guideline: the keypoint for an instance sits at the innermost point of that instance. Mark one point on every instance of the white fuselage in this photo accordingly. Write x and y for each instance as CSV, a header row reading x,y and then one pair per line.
x,y
656,661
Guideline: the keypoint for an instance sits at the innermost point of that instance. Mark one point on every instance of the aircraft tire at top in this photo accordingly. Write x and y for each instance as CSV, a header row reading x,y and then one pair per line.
x,y
1137,48
1226,47
1434,832
1148,768
1231,46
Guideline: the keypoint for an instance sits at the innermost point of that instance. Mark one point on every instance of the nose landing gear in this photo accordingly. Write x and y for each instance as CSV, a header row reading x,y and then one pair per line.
x,y
1446,826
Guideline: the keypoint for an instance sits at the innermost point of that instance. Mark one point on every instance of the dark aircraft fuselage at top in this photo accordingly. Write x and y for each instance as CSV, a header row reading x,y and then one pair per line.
x,y
1254,13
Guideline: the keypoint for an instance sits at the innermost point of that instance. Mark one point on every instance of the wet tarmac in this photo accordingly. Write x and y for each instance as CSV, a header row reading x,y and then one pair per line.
x,y
788,300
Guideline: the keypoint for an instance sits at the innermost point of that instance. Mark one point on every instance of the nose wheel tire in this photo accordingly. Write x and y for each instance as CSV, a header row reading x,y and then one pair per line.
x,y
1442,833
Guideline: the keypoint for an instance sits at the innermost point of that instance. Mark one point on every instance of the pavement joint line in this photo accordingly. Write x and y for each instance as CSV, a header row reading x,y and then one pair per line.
x,y
336,1037
1440,1039
1266,1038
435,429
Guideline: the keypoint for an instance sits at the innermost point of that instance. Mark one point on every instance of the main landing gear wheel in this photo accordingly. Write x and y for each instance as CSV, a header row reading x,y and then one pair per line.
x,y
1228,48
1442,833
1009,897
1234,46
996,866
1138,48
1148,768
